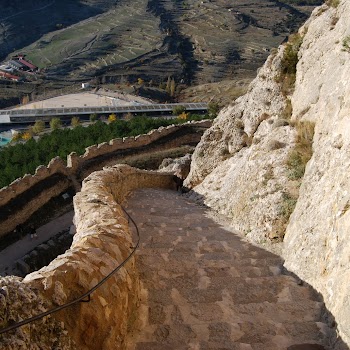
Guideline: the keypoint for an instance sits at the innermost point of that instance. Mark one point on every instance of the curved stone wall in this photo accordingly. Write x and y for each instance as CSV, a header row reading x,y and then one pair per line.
x,y
101,243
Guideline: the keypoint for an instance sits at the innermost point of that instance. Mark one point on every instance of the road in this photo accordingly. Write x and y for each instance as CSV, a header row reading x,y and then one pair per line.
x,y
20,248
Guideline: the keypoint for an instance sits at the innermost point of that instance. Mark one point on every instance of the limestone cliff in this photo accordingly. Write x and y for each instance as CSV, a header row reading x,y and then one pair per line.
x,y
241,165
240,161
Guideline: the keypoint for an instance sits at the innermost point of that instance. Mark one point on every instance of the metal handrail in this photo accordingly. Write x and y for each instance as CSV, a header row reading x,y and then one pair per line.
x,y
83,296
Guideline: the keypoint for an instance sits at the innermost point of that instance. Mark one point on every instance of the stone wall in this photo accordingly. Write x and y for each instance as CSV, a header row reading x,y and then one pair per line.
x,y
78,167
101,243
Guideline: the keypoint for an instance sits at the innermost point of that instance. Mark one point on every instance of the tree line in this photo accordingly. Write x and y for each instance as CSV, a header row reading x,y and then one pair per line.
x,y
23,158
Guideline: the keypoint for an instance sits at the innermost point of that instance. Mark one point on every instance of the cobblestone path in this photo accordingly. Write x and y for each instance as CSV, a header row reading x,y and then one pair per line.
x,y
203,287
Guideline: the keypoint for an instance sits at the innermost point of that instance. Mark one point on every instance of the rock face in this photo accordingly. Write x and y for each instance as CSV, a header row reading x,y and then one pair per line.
x,y
19,300
179,166
239,167
317,238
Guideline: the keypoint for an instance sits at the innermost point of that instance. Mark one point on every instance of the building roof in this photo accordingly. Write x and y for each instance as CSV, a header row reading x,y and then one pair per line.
x,y
28,64
15,64
9,76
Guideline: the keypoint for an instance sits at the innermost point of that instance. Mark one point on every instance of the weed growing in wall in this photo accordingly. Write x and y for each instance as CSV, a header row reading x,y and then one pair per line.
x,y
289,64
346,44
333,3
302,152
287,206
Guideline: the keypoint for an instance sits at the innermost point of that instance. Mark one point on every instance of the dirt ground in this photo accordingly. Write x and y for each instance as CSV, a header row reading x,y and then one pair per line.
x,y
87,99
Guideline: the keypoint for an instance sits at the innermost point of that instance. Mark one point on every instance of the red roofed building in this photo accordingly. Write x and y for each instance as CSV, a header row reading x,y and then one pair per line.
x,y
29,65
9,76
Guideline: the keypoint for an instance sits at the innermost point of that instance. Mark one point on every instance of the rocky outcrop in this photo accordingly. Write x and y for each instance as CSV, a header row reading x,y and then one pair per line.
x,y
179,166
102,242
317,238
19,301
240,167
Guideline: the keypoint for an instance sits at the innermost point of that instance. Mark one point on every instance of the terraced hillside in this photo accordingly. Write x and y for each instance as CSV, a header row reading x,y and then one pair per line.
x,y
194,41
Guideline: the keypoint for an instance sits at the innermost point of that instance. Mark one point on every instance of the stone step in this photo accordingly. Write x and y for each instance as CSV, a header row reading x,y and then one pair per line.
x,y
204,287
243,335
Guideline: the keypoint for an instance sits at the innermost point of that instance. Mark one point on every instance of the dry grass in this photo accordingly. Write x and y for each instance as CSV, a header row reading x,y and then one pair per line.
x,y
333,3
288,110
302,152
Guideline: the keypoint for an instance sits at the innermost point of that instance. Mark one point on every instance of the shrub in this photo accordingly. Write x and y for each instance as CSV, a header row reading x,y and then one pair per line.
x,y
213,109
183,116
55,123
38,127
333,3
288,110
287,205
112,118
346,43
289,63
93,117
75,122
177,110
26,136
302,152
290,55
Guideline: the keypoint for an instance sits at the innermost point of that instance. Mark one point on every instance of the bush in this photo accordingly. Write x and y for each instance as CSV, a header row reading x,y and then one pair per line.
x,y
333,3
289,63
287,206
288,110
177,110
183,116
112,118
346,44
302,152
75,122
55,123
93,117
290,55
38,127
213,109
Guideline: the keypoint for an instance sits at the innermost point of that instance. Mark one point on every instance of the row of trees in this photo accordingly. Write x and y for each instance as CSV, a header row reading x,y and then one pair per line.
x,y
23,158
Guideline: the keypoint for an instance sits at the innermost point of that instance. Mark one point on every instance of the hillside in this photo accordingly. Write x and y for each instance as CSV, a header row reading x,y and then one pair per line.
x,y
196,42
276,161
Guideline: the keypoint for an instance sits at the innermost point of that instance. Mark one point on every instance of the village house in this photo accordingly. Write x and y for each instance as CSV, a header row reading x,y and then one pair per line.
x,y
20,63
8,76
15,64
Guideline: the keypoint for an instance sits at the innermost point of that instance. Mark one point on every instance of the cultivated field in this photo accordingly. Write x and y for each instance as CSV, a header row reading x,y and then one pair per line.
x,y
196,42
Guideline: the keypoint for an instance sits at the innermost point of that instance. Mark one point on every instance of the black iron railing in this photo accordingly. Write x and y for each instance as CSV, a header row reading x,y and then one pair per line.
x,y
83,297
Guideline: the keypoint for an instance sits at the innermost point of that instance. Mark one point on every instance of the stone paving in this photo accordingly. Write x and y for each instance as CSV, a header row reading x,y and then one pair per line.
x,y
204,287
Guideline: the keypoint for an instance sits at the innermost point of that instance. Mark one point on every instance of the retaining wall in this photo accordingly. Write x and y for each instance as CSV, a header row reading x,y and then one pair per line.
x,y
78,167
101,243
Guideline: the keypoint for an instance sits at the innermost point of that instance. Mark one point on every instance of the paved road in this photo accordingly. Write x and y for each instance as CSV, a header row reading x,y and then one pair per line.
x,y
203,287
20,248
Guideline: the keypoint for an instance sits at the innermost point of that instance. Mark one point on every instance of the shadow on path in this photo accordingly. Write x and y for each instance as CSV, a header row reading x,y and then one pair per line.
x,y
204,287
